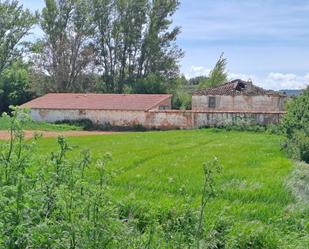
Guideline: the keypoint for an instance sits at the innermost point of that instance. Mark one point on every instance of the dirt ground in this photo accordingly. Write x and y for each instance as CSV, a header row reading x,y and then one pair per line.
x,y
4,135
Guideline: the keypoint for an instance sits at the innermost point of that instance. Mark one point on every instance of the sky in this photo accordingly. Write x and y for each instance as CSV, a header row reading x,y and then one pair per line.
x,y
266,41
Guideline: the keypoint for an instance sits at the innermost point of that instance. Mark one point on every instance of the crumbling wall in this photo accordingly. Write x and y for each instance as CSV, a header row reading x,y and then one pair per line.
x,y
169,119
112,117
261,103
158,119
172,119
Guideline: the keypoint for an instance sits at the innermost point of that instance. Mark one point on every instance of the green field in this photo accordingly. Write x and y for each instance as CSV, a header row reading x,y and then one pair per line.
x,y
160,172
42,126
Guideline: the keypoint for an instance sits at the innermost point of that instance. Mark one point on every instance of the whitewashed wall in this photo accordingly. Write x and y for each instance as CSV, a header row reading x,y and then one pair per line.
x,y
157,119
113,117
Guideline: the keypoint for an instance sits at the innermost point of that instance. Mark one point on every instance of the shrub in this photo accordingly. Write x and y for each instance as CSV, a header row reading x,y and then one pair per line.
x,y
88,125
275,129
57,206
181,99
85,124
296,127
241,124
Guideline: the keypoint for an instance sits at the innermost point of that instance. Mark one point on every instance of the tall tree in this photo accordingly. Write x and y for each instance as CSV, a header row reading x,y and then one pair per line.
x,y
217,76
14,85
66,50
135,40
15,24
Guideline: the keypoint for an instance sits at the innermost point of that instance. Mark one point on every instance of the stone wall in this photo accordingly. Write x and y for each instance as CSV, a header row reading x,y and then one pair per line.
x,y
113,117
262,103
158,119
172,119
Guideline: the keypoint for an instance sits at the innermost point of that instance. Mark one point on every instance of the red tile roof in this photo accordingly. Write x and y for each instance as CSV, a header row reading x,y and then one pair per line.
x,y
92,101
237,87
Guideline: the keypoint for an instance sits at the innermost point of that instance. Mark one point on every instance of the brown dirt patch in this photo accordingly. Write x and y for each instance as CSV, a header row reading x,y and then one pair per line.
x,y
4,135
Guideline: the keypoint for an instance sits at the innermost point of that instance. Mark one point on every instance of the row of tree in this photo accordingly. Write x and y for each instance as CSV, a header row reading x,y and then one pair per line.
x,y
93,46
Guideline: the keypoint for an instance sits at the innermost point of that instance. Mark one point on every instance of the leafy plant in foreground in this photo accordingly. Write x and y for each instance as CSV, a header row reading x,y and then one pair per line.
x,y
211,168
296,127
57,206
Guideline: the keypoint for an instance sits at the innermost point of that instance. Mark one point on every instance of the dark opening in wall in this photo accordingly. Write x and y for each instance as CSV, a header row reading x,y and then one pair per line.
x,y
212,102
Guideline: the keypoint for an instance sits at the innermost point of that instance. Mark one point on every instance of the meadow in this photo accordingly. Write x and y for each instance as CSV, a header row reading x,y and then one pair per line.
x,y
158,174
41,126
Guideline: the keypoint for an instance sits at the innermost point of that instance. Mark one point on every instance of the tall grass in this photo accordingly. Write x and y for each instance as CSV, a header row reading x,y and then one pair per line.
x,y
158,174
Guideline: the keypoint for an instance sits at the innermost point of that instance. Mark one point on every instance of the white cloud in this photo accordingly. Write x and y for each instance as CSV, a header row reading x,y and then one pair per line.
x,y
275,80
195,71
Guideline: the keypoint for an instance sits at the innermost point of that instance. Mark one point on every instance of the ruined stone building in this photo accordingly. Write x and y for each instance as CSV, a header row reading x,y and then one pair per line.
x,y
238,95
212,107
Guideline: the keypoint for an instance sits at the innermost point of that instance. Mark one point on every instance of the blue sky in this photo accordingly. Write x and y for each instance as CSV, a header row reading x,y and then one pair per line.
x,y
266,41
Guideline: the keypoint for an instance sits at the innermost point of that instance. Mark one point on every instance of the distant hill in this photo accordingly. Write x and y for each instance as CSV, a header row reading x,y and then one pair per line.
x,y
291,92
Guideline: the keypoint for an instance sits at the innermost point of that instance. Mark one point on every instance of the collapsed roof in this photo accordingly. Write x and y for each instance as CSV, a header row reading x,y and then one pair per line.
x,y
238,87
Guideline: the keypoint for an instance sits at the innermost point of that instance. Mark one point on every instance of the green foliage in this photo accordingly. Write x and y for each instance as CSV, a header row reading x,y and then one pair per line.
x,y
182,98
158,180
66,50
38,126
296,126
198,80
15,23
135,44
57,206
88,125
217,76
14,86
240,123
150,84
252,235
129,44
149,196
211,168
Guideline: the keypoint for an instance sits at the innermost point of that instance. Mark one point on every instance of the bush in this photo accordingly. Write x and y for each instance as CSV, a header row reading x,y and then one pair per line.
x,y
296,127
85,124
88,125
181,99
241,124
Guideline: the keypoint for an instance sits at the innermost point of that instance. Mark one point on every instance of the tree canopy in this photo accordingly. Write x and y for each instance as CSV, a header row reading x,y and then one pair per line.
x,y
125,42
217,76
15,24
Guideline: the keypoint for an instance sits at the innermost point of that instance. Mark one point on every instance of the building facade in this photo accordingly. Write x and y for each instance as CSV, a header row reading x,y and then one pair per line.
x,y
236,96
226,104
112,109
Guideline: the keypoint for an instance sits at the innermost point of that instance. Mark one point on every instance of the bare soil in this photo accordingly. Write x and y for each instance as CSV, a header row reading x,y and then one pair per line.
x,y
4,135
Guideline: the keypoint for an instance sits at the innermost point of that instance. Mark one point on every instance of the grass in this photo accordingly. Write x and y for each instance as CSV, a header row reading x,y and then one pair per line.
x,y
161,171
42,126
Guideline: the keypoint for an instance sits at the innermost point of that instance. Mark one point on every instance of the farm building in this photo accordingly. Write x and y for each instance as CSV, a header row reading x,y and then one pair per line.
x,y
114,109
238,95
212,107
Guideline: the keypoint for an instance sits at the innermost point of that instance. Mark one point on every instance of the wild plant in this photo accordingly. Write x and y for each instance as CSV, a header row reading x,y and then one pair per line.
x,y
64,201
52,203
211,169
